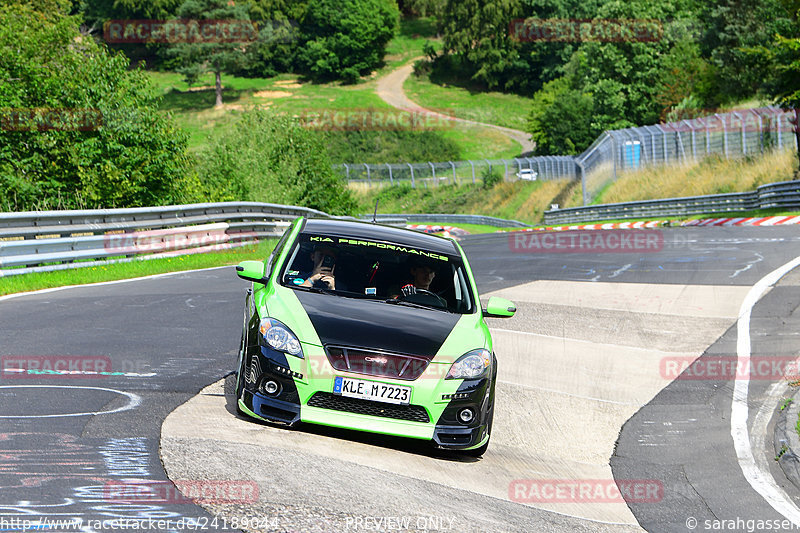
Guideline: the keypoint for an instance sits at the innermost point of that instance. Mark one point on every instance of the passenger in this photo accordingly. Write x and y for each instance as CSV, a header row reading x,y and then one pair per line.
x,y
322,277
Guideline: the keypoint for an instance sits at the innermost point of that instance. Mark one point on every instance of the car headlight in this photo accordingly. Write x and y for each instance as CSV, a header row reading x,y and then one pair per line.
x,y
279,337
471,365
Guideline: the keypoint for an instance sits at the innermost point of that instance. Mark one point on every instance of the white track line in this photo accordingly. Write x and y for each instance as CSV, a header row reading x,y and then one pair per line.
x,y
761,480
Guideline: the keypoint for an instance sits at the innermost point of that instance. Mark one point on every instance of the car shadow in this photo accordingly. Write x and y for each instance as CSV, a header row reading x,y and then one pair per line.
x,y
399,444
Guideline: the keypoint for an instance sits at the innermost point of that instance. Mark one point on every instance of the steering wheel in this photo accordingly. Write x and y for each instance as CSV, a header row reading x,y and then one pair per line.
x,y
428,297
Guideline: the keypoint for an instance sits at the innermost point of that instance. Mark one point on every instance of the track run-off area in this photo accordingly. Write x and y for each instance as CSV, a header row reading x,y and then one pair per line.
x,y
600,391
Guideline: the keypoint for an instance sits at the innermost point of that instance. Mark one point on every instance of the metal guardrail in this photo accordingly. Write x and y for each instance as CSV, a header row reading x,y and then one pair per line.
x,y
37,241
784,195
447,218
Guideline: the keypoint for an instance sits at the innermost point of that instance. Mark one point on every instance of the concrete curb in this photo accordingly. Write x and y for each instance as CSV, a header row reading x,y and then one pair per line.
x,y
786,434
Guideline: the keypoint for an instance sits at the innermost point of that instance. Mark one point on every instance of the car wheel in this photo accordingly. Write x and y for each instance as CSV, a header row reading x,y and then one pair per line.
x,y
477,452
240,377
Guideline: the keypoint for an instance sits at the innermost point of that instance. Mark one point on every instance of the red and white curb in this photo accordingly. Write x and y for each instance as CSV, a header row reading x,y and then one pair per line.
x,y
750,221
610,225
444,231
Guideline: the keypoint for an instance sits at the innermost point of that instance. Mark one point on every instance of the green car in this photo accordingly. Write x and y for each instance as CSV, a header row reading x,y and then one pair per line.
x,y
369,327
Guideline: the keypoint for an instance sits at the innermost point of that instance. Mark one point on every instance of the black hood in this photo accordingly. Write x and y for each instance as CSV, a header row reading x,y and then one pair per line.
x,y
373,324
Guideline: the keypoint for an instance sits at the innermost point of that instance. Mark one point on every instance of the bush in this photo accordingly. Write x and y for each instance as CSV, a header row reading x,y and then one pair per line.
x,y
126,154
490,177
264,157
390,146
346,38
561,120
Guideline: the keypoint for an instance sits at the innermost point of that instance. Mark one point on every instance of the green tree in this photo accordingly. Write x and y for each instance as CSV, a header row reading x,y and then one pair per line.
x,y
477,33
784,82
344,39
96,12
108,144
279,36
198,56
737,32
265,157
560,120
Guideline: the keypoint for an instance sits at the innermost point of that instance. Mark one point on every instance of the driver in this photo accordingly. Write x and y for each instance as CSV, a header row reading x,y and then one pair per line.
x,y
421,278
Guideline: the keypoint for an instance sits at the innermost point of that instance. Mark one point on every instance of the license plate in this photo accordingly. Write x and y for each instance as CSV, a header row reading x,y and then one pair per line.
x,y
372,390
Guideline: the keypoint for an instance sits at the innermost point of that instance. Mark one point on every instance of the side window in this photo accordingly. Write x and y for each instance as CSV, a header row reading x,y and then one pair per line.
x,y
462,291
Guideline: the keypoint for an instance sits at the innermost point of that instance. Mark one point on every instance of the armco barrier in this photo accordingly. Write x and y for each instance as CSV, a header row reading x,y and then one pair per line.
x,y
784,195
446,218
37,241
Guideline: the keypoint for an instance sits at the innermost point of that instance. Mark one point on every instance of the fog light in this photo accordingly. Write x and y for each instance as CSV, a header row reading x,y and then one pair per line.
x,y
270,387
466,416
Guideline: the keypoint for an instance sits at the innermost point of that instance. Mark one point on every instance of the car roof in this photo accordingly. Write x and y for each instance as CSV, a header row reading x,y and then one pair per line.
x,y
379,232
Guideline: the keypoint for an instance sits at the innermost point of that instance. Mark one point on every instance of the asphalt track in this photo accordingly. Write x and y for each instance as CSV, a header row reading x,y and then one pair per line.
x,y
578,361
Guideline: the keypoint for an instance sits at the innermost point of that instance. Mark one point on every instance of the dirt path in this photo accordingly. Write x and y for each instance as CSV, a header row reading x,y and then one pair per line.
x,y
390,89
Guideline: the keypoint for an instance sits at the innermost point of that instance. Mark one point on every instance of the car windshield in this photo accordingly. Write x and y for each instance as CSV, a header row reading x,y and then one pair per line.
x,y
377,270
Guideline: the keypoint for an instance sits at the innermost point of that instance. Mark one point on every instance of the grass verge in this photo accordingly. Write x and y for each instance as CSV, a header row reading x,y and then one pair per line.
x,y
525,201
132,269
509,110
712,175
473,229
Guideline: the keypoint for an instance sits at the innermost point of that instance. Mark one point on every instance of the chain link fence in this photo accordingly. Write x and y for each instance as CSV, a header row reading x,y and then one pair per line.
x,y
459,172
728,135
733,134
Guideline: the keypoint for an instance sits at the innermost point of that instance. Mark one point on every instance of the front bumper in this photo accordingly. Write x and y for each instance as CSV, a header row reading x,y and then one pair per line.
x,y
306,396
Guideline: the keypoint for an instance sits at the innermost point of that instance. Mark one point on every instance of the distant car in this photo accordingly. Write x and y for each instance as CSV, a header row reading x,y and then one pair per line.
x,y
367,355
527,174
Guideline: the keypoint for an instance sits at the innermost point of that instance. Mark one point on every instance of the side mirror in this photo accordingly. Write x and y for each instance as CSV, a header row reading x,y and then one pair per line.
x,y
251,271
499,308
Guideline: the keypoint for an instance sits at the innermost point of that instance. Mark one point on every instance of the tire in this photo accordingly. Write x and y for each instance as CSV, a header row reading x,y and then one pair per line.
x,y
240,377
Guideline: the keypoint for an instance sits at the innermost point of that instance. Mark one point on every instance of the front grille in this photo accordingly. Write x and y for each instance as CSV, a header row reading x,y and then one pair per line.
x,y
412,413
390,365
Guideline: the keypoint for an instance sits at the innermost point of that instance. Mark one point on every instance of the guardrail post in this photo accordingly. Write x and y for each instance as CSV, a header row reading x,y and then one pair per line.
x,y
412,175
505,164
391,179
473,171
453,165
369,178
347,169
433,173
